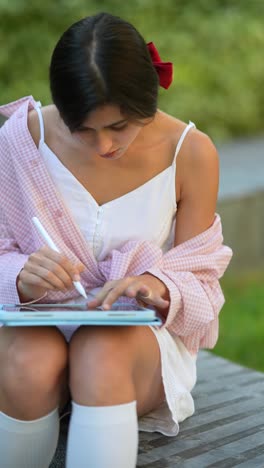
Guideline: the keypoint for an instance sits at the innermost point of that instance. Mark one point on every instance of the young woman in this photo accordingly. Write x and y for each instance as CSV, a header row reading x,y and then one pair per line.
x,y
98,167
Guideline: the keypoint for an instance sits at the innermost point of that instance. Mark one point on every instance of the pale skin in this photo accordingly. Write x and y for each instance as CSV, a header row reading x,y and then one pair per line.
x,y
104,365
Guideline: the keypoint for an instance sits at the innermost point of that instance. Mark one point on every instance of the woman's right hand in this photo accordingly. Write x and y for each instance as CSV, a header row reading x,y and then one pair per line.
x,y
46,270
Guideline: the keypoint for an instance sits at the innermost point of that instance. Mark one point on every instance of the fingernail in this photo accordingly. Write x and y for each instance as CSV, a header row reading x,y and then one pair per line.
x,y
76,277
106,306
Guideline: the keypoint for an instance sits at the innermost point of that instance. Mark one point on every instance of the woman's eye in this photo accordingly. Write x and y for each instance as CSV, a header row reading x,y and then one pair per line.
x,y
119,128
85,130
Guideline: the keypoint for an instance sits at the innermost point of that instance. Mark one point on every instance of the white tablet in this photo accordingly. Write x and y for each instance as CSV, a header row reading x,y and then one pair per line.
x,y
74,314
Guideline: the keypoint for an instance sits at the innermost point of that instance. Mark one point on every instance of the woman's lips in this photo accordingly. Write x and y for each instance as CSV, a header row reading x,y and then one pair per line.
x,y
109,155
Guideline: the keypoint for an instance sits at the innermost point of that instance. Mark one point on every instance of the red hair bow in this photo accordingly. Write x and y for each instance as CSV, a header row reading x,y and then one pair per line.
x,y
163,69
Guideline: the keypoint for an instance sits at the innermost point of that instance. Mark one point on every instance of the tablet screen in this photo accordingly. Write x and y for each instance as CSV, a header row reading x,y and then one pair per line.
x,y
69,307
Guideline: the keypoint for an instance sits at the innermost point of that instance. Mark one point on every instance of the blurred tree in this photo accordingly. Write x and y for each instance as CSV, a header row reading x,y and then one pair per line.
x,y
216,47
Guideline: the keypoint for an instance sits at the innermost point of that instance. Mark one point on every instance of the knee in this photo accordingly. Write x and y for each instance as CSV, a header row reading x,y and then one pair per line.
x,y
99,344
35,360
97,354
101,367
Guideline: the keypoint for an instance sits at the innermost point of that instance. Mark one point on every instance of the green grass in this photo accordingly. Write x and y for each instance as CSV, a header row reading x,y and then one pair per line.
x,y
241,336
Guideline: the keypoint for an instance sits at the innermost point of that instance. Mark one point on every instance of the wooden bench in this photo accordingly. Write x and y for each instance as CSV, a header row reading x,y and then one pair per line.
x,y
226,430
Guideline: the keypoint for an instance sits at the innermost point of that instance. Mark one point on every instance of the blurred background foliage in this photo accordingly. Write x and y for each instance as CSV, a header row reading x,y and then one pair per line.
x,y
241,333
216,47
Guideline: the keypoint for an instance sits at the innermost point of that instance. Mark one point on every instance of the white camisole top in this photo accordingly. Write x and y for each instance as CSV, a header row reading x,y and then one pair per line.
x,y
145,213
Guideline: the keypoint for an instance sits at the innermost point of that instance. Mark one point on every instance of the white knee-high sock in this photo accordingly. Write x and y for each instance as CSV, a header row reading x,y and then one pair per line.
x,y
103,436
28,444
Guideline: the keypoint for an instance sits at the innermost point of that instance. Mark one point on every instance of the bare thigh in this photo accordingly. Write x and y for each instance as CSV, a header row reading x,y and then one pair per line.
x,y
33,361
147,373
93,350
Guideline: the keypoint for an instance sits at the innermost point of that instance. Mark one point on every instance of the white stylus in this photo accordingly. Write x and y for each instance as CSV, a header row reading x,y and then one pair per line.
x,y
50,243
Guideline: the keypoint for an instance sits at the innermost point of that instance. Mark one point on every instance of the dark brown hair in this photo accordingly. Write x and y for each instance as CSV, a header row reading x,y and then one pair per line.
x,y
99,60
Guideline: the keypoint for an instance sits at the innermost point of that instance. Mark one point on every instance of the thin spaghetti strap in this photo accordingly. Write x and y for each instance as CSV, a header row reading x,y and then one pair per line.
x,y
182,137
41,123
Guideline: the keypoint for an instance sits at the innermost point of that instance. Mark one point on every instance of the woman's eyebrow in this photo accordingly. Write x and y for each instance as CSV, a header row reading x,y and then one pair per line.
x,y
107,126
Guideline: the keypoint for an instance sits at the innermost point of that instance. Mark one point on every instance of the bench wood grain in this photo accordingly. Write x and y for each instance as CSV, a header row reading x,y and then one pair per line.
x,y
227,429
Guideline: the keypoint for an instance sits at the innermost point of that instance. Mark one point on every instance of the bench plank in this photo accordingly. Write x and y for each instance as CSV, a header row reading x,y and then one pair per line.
x,y
226,430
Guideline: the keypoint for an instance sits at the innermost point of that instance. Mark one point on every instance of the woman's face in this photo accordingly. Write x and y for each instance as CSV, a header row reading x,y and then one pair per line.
x,y
107,132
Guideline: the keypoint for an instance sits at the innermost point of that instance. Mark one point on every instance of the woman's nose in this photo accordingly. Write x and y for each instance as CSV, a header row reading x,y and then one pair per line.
x,y
103,142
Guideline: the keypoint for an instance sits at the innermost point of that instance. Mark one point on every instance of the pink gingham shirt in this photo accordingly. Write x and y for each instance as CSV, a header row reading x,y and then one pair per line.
x,y
191,271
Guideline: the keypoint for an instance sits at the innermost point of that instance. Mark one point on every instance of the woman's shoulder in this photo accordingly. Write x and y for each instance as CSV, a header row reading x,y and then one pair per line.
x,y
34,124
197,159
196,142
197,151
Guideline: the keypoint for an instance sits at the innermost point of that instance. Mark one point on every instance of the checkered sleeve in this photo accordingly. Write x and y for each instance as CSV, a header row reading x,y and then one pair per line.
x,y
12,259
11,262
191,273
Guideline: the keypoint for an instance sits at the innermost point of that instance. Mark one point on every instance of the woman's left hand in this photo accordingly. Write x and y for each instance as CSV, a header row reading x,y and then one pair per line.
x,y
144,288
